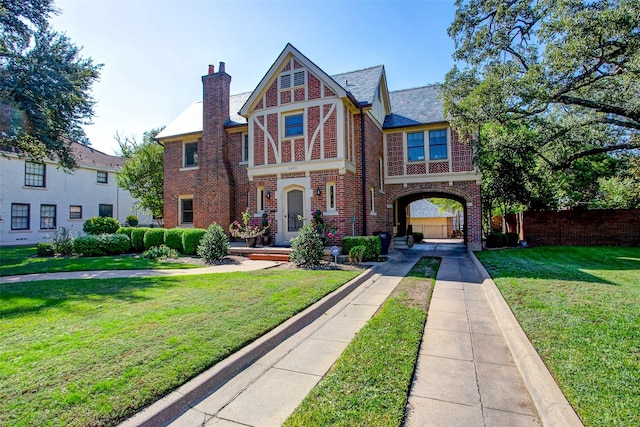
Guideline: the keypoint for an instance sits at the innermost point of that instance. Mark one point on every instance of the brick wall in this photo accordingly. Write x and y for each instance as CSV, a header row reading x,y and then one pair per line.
x,y
620,227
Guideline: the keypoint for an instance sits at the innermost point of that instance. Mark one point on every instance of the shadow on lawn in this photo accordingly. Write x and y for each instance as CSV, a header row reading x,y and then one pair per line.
x,y
31,297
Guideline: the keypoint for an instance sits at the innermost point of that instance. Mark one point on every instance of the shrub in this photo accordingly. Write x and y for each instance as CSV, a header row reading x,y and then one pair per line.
x,y
191,239
307,249
100,225
45,249
137,238
418,237
373,246
173,239
88,246
115,243
356,254
153,237
162,251
496,240
126,231
131,220
62,241
512,239
214,245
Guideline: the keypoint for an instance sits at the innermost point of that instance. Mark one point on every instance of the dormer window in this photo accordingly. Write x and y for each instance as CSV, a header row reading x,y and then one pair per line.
x,y
297,77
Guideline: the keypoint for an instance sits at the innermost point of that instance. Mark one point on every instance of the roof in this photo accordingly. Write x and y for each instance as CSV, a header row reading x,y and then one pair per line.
x,y
415,107
362,84
86,156
425,209
189,121
235,104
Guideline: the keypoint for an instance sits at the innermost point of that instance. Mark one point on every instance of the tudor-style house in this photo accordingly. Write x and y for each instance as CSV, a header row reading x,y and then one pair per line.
x,y
36,198
303,141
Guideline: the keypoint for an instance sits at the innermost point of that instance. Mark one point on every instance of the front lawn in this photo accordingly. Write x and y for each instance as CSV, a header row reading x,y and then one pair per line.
x,y
580,307
22,260
94,352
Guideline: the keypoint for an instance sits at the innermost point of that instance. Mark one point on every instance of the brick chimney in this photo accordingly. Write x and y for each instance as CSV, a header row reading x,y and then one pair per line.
x,y
215,192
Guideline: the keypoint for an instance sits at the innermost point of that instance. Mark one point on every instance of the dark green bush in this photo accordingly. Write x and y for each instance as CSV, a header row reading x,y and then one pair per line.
x,y
153,237
137,238
496,240
115,243
100,225
356,254
373,246
214,245
418,237
125,230
173,239
45,249
159,252
191,239
512,239
88,246
306,248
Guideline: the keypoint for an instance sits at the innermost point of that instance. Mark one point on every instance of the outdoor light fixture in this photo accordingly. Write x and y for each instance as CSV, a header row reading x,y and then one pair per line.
x,y
318,191
268,194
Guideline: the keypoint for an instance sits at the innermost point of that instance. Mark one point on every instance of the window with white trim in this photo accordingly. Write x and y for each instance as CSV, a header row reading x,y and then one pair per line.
x,y
331,196
190,158
372,196
48,217
292,79
245,147
293,125
186,210
380,175
34,174
260,199
20,216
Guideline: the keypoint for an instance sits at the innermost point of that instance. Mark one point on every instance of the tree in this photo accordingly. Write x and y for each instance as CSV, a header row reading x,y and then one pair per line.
x,y
45,85
143,172
546,84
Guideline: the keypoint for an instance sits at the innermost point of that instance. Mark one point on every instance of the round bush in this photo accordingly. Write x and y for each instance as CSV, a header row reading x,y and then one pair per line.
x,y
153,237
307,249
173,239
496,240
191,239
356,254
45,249
214,245
115,243
125,230
88,246
512,239
162,251
100,225
137,238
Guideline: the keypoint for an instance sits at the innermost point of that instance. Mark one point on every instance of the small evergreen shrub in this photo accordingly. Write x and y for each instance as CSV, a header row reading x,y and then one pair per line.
x,y
191,239
45,249
307,249
131,220
356,254
214,245
418,237
373,246
126,231
137,238
159,252
115,243
512,239
153,237
173,239
496,240
100,225
88,246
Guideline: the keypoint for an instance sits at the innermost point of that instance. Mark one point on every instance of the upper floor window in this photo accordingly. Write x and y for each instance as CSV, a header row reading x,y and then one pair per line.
x,y
34,174
415,146
245,147
48,216
103,177
294,125
292,79
105,210
190,154
438,144
75,212
20,216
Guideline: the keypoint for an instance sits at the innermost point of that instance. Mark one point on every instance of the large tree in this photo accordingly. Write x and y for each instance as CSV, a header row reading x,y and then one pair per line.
x,y
45,85
545,86
143,172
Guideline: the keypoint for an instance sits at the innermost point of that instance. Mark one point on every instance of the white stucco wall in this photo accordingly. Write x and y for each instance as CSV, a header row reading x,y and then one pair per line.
x,y
79,188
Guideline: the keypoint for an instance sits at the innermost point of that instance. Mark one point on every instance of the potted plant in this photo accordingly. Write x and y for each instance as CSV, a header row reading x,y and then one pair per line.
x,y
249,229
266,228
132,220
325,229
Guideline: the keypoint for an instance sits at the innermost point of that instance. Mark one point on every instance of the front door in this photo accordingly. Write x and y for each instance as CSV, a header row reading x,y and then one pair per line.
x,y
295,207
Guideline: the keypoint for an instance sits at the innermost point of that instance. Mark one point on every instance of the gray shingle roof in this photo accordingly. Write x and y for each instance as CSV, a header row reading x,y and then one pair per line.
x,y
235,104
425,209
362,84
415,106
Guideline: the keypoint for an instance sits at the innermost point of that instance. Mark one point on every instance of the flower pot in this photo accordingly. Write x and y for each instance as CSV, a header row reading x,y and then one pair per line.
x,y
266,240
251,242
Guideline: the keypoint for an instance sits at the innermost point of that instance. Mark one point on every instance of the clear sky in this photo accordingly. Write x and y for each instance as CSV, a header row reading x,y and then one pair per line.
x,y
155,51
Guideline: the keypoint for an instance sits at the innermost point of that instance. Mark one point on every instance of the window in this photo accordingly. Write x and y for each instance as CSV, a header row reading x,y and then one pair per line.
x,y
47,217
103,177
34,174
105,210
186,211
437,144
245,147
190,154
372,194
20,216
75,212
415,146
331,196
260,199
380,175
298,79
293,125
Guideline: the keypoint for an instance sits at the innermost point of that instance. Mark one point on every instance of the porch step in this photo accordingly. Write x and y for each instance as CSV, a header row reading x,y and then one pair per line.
x,y
269,257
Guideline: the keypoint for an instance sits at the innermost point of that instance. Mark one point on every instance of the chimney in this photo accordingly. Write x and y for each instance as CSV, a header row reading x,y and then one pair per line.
x,y
212,69
221,67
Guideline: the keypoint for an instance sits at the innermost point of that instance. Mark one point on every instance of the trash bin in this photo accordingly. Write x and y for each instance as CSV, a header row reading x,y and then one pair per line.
x,y
385,240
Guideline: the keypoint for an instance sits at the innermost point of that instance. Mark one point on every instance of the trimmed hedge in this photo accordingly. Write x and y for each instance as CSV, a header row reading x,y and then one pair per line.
x,y
173,239
497,240
356,254
418,237
103,244
373,246
125,230
153,237
101,225
137,238
191,239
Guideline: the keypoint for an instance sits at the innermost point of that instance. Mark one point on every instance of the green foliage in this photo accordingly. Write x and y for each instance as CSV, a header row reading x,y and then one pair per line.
x,y
137,238
143,172
101,225
173,239
497,240
418,237
512,239
191,239
126,231
356,254
132,220
102,244
372,243
62,241
153,237
45,249
214,245
160,252
306,248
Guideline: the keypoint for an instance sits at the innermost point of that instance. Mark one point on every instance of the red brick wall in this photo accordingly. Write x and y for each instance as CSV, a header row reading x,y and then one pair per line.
x,y
620,227
395,156
461,154
176,182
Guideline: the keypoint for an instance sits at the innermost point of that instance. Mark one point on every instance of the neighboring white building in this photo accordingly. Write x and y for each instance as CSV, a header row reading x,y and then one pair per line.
x,y
38,198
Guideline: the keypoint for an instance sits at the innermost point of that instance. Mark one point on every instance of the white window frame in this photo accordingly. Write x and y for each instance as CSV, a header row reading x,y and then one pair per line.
x,y
260,202
381,175
284,124
372,206
182,198
292,75
184,156
244,150
331,190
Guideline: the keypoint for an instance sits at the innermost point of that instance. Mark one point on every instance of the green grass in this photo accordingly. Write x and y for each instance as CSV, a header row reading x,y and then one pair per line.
x,y
93,352
370,382
22,260
580,307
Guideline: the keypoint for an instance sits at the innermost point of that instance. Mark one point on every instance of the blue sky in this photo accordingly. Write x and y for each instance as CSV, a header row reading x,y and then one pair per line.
x,y
155,51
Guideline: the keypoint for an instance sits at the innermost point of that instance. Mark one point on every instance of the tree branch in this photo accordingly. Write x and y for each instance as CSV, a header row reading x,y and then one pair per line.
x,y
599,150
